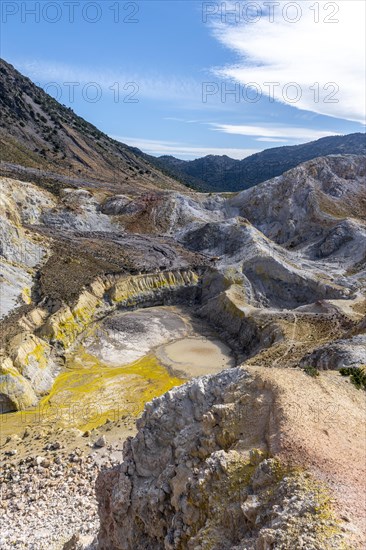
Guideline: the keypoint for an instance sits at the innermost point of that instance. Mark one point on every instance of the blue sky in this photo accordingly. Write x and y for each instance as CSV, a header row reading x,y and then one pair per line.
x,y
157,74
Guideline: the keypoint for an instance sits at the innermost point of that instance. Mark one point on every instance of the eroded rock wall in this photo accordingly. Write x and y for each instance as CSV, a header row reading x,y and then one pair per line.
x,y
199,475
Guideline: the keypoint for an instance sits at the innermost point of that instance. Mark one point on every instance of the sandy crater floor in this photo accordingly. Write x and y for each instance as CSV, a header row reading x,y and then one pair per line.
x,y
190,357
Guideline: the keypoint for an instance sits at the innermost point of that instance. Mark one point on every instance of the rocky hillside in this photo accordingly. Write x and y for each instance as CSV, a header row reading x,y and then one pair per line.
x,y
222,173
322,198
47,142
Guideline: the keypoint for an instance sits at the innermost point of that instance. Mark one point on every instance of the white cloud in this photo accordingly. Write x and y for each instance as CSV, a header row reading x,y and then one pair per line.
x,y
273,133
157,148
304,52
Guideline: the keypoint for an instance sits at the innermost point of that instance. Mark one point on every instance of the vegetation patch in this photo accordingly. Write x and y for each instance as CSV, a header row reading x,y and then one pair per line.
x,y
357,376
311,371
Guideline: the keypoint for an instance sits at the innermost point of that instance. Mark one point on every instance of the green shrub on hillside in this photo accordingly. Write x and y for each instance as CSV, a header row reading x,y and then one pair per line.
x,y
357,376
311,371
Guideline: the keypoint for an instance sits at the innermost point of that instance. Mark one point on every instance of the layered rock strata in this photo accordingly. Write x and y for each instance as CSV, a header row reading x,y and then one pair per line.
x,y
32,358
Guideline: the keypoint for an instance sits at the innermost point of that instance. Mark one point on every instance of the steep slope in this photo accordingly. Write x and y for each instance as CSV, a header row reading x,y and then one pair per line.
x,y
222,173
57,146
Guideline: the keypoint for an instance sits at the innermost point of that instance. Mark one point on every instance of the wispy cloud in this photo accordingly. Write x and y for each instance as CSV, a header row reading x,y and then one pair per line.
x,y
181,150
272,133
304,52
272,140
176,119
153,86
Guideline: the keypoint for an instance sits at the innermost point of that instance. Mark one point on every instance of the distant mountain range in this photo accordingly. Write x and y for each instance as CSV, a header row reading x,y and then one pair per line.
x,y
52,144
222,173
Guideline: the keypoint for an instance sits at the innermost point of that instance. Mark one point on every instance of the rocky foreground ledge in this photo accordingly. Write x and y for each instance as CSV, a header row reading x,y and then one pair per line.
x,y
248,459
241,460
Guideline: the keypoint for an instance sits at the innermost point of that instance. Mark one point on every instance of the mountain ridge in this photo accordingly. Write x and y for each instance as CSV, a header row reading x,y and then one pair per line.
x,y
220,173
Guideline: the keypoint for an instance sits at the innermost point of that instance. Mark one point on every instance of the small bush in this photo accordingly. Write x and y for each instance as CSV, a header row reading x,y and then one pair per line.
x,y
311,371
357,376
